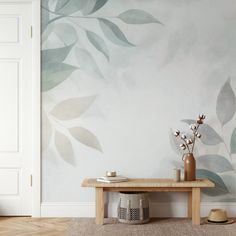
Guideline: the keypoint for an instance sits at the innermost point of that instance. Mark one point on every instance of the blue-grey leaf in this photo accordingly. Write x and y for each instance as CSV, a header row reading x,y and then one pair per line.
x,y
98,43
209,135
68,7
86,137
226,103
136,16
215,163
64,148
113,33
72,108
230,180
93,6
220,187
87,62
55,74
233,142
45,15
66,33
56,55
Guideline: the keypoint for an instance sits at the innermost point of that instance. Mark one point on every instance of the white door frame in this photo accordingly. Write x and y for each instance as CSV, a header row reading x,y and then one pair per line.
x,y
36,103
36,129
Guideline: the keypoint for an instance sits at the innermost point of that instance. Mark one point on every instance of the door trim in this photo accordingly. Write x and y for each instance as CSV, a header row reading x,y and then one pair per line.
x,y
36,117
36,103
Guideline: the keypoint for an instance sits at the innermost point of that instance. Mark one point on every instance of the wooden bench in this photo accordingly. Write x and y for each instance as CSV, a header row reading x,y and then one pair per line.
x,y
152,185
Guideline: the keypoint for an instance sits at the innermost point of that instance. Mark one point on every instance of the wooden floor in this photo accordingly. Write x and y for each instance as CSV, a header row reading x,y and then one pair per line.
x,y
27,226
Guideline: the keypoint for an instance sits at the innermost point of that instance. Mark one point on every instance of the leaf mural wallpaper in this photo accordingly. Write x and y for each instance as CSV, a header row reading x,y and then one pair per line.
x,y
55,71
116,75
216,167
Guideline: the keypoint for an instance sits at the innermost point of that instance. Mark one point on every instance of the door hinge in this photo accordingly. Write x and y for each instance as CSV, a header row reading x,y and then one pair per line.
x,y
31,31
31,180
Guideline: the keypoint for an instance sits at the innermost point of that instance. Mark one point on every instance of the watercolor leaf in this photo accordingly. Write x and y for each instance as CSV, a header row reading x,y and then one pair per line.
x,y
233,142
67,7
66,33
230,180
64,148
209,135
46,130
86,137
87,62
98,43
55,55
215,163
113,33
93,6
226,103
220,187
72,108
136,16
55,74
45,15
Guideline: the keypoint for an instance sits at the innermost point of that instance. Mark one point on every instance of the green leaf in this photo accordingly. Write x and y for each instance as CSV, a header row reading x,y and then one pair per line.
x,y
98,43
136,16
233,142
230,180
93,6
226,103
45,14
209,135
113,33
66,33
54,74
64,148
215,163
220,187
68,7
56,55
87,62
86,137
47,32
72,108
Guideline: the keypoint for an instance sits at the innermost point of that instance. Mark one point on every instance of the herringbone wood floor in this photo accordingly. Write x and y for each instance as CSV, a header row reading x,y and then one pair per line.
x,y
27,226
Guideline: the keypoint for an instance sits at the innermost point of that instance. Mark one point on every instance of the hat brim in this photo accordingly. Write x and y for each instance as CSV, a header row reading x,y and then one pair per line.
x,y
229,221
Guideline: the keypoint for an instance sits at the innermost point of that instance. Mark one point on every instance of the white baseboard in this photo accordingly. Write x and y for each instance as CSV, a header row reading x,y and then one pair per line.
x,y
67,209
157,209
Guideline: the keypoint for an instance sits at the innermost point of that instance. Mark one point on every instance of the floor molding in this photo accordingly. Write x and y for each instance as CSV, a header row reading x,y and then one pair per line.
x,y
157,209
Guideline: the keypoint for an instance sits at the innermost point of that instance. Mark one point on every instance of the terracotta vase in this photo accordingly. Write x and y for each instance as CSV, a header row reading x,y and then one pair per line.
x,y
189,167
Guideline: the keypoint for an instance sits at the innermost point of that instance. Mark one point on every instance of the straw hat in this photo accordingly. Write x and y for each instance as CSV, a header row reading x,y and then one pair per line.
x,y
218,216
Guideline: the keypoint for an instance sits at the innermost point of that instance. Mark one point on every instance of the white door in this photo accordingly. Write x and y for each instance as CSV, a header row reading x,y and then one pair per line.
x,y
15,109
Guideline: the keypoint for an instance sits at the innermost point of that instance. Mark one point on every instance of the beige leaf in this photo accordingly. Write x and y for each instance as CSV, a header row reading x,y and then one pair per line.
x,y
46,130
72,108
86,137
64,147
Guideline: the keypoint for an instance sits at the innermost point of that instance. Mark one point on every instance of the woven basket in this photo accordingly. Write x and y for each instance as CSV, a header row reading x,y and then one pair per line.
x,y
133,208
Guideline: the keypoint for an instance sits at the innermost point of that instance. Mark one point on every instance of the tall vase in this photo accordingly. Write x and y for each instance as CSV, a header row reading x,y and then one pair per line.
x,y
189,167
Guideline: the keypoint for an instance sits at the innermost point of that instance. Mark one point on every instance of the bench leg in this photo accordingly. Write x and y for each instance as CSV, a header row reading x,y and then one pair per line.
x,y
190,204
99,206
196,199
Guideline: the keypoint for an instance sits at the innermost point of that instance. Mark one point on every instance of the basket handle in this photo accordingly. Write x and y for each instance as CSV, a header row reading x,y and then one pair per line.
x,y
118,208
128,209
141,209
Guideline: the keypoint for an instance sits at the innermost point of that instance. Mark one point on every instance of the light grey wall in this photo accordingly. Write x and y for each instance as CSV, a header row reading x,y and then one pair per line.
x,y
178,66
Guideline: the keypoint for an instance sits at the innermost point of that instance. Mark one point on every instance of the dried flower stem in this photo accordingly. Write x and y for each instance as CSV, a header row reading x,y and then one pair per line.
x,y
186,144
194,137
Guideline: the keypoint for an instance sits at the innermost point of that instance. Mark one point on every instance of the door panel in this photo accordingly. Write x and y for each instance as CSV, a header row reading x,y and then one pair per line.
x,y
15,109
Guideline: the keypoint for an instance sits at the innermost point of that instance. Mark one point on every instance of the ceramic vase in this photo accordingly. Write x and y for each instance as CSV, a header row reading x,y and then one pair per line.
x,y
189,167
